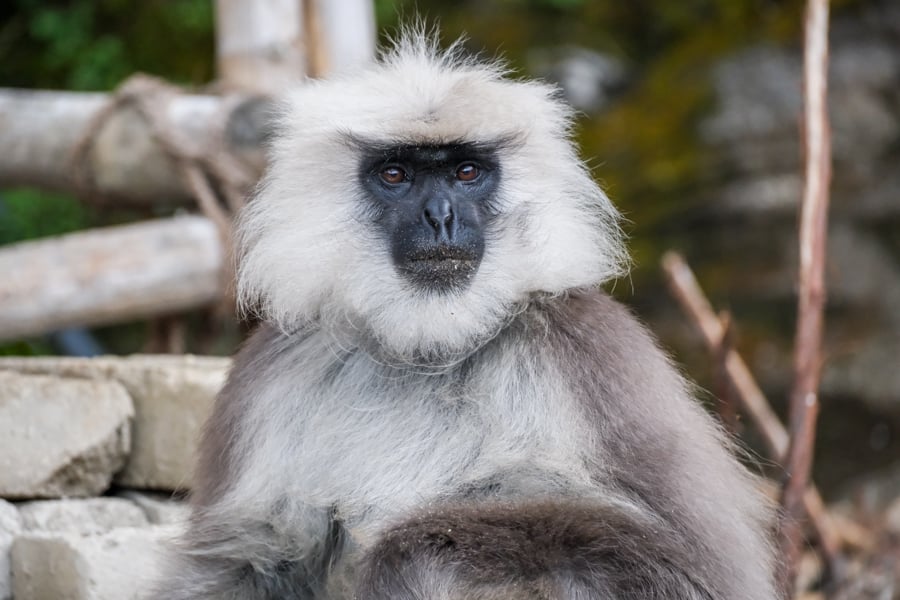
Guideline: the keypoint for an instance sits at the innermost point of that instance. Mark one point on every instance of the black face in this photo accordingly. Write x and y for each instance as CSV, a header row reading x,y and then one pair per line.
x,y
433,204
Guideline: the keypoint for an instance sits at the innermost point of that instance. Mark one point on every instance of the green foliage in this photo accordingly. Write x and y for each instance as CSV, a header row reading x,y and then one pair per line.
x,y
559,4
95,44
28,213
26,348
386,11
67,34
638,30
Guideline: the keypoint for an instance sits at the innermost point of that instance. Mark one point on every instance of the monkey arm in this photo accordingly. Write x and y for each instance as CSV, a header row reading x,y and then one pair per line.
x,y
530,550
659,448
243,559
262,549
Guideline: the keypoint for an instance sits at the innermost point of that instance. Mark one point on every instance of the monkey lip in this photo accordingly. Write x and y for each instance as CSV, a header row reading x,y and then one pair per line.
x,y
441,267
440,254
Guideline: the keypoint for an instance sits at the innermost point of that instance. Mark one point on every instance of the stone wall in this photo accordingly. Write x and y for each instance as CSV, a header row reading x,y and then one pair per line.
x,y
94,456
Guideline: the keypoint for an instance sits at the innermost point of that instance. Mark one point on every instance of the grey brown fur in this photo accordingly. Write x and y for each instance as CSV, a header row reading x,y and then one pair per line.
x,y
539,549
649,506
518,436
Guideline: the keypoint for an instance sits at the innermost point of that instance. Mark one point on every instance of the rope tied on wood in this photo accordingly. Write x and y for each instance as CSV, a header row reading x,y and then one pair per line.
x,y
217,180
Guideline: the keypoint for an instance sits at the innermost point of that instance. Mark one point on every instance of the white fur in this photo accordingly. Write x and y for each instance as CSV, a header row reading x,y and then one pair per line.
x,y
306,251
425,437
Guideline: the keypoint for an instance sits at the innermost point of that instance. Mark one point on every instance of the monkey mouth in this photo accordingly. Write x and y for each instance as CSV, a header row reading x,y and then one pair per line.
x,y
441,268
437,254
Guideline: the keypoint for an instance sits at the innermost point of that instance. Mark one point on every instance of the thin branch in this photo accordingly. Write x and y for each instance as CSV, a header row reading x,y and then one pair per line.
x,y
804,406
753,402
687,291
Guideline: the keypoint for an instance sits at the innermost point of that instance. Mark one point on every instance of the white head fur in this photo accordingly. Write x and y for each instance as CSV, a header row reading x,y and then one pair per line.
x,y
306,252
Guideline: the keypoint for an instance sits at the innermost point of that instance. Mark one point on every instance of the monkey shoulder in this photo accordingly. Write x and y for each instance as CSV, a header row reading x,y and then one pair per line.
x,y
596,339
655,439
649,419
217,461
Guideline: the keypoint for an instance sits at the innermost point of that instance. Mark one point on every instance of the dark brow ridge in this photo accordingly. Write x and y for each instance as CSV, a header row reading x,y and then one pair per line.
x,y
387,147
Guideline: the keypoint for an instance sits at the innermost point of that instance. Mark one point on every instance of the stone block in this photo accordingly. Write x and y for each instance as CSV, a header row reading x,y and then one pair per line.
x,y
159,509
85,516
61,436
10,527
172,397
119,565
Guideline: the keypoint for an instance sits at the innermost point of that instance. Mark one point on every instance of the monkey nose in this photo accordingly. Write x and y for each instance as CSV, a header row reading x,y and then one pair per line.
x,y
438,215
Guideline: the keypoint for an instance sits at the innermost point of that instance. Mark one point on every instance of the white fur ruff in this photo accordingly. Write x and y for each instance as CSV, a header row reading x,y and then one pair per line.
x,y
307,251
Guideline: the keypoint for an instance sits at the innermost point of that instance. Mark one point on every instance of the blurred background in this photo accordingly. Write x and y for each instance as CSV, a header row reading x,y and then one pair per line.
x,y
689,118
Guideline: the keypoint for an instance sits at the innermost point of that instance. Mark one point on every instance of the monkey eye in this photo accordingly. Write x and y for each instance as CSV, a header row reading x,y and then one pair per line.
x,y
393,175
467,172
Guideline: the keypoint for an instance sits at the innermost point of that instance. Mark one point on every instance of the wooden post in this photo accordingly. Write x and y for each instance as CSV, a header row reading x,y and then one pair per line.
x,y
344,34
259,44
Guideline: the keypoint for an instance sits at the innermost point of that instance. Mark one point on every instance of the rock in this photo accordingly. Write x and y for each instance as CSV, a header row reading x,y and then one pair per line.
x,y
762,197
760,100
752,138
589,80
61,436
876,202
119,565
84,516
10,527
172,397
159,509
759,97
868,63
172,403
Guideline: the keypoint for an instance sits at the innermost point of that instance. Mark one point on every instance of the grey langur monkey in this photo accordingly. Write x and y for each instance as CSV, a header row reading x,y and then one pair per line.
x,y
440,403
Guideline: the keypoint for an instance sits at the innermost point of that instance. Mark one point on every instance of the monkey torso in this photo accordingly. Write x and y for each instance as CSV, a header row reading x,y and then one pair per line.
x,y
571,400
368,439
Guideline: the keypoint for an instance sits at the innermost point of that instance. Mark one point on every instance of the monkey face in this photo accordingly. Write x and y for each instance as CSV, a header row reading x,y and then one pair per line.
x,y
432,205
417,204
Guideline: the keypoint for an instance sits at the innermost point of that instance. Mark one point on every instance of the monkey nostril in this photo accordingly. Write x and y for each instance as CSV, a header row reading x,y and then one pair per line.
x,y
439,217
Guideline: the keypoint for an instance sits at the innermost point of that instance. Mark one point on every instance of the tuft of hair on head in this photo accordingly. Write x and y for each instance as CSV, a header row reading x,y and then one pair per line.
x,y
417,37
420,41
307,253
